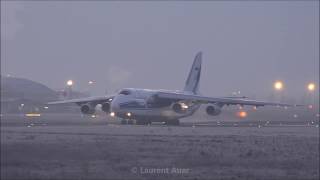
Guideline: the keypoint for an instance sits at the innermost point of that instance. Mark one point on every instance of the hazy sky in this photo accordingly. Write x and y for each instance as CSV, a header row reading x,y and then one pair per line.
x,y
246,45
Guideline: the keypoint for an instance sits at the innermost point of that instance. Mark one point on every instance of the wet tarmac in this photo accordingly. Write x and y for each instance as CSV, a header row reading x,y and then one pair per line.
x,y
72,146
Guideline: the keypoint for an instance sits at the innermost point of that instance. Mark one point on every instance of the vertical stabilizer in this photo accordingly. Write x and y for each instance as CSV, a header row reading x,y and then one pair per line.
x,y
192,83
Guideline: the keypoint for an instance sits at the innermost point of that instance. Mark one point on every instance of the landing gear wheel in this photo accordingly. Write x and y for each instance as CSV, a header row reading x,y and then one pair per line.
x,y
130,121
174,122
143,122
124,121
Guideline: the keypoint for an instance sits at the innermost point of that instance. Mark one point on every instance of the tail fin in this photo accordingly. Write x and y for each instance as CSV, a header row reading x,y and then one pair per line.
x,y
192,83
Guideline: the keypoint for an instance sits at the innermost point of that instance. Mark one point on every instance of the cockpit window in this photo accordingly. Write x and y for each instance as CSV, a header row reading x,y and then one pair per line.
x,y
125,92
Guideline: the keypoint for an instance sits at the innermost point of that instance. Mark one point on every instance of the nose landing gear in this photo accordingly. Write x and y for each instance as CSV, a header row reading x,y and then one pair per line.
x,y
172,122
127,121
135,122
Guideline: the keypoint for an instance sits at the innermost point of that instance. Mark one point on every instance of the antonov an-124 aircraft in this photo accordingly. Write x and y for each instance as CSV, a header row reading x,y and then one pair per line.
x,y
143,106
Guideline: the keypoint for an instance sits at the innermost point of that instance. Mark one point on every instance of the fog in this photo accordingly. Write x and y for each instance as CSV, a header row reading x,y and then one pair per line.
x,y
246,45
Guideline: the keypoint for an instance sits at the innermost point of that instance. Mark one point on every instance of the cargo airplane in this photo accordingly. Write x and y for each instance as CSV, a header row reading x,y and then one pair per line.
x,y
143,106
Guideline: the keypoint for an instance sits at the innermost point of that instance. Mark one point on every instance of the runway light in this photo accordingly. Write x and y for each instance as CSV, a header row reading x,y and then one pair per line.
x,y
310,106
295,116
311,87
91,82
129,114
242,114
112,114
33,115
69,82
278,85
46,107
255,108
93,116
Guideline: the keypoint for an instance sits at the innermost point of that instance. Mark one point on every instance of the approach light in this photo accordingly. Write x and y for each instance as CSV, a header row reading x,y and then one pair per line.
x,y
129,114
112,114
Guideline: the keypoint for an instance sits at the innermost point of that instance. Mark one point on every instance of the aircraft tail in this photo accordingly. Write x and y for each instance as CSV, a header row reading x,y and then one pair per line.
x,y
192,83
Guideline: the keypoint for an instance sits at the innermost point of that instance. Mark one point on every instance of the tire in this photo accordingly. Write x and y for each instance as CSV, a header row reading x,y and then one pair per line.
x,y
143,122
174,122
130,121
123,121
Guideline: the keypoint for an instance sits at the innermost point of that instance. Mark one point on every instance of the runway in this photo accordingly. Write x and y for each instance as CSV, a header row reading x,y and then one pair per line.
x,y
80,120
75,147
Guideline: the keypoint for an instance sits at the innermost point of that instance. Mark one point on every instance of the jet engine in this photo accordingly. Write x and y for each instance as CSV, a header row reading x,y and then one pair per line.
x,y
179,108
213,110
106,107
88,109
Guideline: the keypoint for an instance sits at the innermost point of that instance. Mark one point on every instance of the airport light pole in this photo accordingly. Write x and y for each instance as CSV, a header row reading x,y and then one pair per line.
x,y
311,88
278,86
69,89
91,84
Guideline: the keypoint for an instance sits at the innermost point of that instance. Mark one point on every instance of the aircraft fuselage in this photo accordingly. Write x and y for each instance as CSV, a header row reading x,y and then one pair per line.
x,y
142,103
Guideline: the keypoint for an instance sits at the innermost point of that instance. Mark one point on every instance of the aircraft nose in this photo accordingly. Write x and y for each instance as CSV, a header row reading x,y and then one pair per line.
x,y
115,105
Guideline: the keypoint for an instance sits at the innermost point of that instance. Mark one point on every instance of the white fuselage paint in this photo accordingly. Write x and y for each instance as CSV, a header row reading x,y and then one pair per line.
x,y
139,103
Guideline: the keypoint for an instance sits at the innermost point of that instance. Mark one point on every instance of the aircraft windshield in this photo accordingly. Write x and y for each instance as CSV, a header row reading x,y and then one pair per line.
x,y
125,92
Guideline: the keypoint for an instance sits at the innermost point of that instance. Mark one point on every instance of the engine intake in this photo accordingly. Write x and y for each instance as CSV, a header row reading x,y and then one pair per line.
x,y
106,107
88,109
177,108
213,110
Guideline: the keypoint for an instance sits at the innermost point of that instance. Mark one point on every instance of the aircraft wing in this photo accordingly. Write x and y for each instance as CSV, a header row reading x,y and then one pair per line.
x,y
224,101
96,99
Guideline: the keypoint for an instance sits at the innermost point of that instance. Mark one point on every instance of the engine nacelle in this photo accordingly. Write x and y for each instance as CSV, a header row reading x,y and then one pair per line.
x,y
106,107
177,108
213,110
88,109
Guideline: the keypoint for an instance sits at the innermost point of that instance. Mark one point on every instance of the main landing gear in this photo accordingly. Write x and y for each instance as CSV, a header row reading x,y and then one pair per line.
x,y
173,122
136,122
127,121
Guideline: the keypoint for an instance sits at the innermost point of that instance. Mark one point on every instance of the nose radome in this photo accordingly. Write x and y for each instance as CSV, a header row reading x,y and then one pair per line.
x,y
115,105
